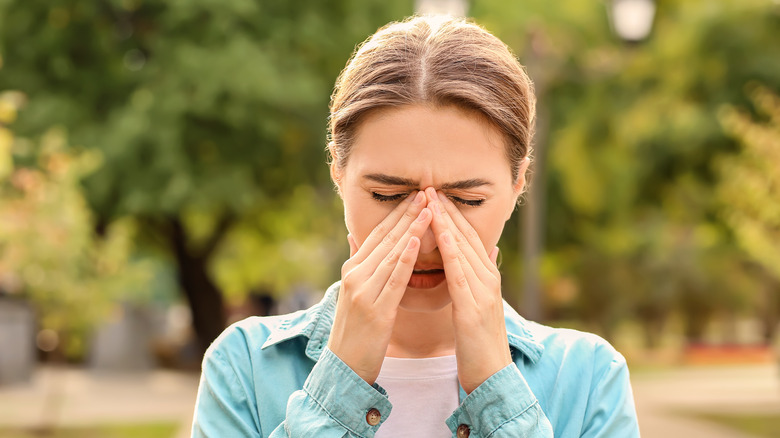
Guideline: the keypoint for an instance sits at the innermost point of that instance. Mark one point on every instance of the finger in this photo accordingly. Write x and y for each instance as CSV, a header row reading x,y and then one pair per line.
x,y
442,221
384,271
352,245
475,282
392,238
464,227
395,287
398,219
457,280
494,256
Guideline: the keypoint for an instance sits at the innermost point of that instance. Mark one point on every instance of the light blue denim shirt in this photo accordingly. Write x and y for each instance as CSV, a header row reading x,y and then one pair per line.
x,y
275,377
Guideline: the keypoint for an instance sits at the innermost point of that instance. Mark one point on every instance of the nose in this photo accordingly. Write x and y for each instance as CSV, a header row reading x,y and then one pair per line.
x,y
427,241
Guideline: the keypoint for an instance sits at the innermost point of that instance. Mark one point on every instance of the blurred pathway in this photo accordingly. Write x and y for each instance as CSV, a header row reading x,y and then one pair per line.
x,y
92,398
661,397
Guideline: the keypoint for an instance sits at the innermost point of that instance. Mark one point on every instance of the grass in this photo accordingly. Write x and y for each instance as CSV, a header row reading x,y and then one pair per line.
x,y
759,425
147,430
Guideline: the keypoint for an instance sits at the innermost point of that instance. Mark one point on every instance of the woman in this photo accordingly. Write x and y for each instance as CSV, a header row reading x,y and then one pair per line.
x,y
430,131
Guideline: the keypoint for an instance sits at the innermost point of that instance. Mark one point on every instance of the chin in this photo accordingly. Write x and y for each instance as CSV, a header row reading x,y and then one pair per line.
x,y
426,300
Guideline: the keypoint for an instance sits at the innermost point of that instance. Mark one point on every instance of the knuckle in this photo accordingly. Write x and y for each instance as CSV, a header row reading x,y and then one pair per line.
x,y
346,267
461,281
448,259
347,280
458,238
392,282
471,234
494,301
357,300
392,257
389,239
409,215
381,228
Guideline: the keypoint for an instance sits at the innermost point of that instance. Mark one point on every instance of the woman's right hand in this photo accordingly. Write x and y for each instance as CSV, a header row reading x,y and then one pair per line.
x,y
373,281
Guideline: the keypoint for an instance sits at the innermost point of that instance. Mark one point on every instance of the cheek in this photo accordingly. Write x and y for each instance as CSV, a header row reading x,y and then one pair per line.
x,y
362,216
488,226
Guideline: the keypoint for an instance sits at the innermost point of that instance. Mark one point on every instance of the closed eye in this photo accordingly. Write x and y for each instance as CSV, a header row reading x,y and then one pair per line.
x,y
468,202
388,198
398,196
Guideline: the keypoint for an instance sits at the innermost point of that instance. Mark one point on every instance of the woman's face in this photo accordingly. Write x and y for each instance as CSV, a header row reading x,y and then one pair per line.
x,y
402,150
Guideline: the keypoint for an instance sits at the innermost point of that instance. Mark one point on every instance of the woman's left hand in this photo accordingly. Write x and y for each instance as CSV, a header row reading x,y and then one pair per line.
x,y
474,284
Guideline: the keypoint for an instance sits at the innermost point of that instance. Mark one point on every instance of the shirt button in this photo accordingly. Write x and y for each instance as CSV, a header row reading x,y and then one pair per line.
x,y
463,431
373,417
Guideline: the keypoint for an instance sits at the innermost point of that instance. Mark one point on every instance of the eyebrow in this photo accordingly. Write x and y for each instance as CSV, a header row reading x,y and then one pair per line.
x,y
391,180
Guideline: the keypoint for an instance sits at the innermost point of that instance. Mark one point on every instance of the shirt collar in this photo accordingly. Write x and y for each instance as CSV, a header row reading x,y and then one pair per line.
x,y
316,322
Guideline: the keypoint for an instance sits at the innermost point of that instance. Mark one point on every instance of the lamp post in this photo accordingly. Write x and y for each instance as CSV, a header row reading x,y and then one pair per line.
x,y
456,8
541,67
631,20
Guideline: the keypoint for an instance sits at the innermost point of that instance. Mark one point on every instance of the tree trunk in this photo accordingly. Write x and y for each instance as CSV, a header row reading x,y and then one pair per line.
x,y
770,312
205,299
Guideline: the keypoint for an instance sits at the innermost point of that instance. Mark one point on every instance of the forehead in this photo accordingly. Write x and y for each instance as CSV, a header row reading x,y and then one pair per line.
x,y
429,144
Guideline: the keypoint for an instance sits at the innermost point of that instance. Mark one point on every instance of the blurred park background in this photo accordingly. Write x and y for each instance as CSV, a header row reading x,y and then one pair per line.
x,y
163,173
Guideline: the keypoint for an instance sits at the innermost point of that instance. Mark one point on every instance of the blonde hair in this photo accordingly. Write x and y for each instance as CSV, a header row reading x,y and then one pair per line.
x,y
436,60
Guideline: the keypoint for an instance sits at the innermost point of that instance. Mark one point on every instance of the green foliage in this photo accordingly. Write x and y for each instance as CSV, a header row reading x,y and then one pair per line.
x,y
634,134
217,106
209,118
209,112
48,248
749,186
201,110
280,247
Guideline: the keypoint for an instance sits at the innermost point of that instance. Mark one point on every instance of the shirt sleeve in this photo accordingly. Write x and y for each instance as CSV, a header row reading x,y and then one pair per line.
x,y
611,411
334,402
223,407
502,406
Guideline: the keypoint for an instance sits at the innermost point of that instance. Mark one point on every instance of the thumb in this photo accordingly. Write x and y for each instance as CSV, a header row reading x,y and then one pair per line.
x,y
352,245
494,256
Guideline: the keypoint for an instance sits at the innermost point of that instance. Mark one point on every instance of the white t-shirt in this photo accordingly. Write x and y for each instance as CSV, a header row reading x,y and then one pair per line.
x,y
424,393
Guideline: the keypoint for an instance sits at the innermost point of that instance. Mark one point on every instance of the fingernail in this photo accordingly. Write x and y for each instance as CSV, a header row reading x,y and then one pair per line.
x,y
442,198
423,215
418,199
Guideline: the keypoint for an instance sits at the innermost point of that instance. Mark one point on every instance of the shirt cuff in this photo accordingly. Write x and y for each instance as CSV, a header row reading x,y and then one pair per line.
x,y
344,395
501,398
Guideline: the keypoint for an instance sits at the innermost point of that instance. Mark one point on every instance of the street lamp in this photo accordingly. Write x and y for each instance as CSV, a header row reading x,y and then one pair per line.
x,y
632,20
456,8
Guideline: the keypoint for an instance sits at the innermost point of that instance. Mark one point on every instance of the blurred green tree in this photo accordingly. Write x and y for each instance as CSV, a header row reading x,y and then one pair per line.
x,y
629,152
208,115
749,190
48,248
